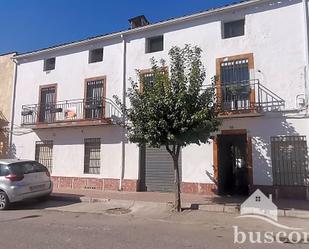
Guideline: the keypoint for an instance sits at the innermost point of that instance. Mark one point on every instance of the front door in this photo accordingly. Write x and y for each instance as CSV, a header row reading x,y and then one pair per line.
x,y
47,104
233,164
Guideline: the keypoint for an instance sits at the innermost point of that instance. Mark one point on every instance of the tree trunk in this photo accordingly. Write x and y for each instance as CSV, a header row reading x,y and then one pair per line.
x,y
175,155
177,184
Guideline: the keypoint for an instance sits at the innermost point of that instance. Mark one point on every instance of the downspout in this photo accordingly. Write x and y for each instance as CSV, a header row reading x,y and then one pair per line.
x,y
123,135
305,9
13,109
306,69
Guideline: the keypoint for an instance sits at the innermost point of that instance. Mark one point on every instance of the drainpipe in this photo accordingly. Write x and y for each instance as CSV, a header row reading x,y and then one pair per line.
x,y
306,69
12,109
306,33
123,135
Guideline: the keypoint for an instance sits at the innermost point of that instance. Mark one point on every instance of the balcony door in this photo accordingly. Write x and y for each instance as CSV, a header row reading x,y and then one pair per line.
x,y
47,104
234,88
235,83
94,98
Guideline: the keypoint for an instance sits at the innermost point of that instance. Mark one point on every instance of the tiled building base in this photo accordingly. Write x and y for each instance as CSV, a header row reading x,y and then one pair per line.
x,y
93,183
278,192
199,188
127,185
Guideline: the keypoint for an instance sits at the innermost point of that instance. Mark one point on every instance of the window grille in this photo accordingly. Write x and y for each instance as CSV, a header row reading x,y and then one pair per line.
x,y
94,99
289,157
92,158
95,55
44,153
49,64
235,71
235,84
154,44
234,28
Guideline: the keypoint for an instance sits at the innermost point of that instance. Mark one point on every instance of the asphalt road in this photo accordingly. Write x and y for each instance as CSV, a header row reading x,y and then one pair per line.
x,y
30,225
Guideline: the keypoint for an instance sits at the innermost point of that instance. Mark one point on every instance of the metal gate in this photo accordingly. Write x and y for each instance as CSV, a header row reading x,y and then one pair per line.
x,y
44,153
289,157
158,170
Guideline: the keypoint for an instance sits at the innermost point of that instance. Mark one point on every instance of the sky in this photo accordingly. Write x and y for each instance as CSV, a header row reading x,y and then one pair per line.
x,y
27,25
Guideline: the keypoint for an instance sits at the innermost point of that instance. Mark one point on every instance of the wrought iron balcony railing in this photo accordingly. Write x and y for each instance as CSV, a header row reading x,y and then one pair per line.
x,y
246,96
71,110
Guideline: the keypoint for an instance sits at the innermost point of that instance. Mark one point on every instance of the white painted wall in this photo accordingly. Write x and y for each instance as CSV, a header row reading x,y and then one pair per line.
x,y
273,33
261,129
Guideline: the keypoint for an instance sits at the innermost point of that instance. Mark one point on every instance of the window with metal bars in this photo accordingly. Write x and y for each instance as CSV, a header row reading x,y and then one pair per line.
x,y
235,71
235,84
92,158
94,99
44,153
95,55
49,64
154,44
289,155
234,28
147,77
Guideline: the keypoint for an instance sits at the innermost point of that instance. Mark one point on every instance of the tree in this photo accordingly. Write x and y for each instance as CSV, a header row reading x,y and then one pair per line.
x,y
172,109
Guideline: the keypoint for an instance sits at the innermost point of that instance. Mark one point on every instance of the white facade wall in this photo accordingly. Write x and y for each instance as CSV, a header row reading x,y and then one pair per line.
x,y
71,70
273,33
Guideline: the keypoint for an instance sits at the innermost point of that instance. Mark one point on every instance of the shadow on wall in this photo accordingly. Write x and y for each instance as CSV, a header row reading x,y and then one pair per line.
x,y
261,149
71,136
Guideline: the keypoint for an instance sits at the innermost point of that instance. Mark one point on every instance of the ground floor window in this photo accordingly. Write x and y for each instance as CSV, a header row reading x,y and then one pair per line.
x,y
289,157
44,153
92,158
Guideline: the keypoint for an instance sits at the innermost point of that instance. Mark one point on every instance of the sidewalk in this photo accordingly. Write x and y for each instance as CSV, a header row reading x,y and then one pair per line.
x,y
287,208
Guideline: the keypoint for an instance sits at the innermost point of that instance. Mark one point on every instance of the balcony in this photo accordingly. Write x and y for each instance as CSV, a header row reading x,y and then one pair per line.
x,y
79,112
246,98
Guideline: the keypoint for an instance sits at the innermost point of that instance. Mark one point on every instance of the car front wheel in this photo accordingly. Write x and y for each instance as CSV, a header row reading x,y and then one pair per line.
x,y
4,201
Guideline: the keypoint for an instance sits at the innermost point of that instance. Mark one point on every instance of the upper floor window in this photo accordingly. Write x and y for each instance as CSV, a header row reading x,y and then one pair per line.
x,y
154,44
147,77
49,64
95,55
234,28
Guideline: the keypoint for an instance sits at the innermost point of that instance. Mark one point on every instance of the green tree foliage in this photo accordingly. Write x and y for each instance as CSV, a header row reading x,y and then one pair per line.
x,y
171,108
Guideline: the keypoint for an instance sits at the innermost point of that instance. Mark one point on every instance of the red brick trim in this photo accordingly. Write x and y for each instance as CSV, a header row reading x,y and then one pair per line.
x,y
94,183
199,188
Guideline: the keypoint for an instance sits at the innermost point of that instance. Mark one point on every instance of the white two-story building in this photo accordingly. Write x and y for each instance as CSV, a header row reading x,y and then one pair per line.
x,y
256,56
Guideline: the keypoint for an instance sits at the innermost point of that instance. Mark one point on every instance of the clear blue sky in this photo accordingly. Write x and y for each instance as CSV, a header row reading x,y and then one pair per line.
x,y
27,25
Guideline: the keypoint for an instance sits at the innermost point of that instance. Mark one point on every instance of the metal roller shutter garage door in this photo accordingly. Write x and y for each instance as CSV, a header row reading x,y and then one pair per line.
x,y
159,170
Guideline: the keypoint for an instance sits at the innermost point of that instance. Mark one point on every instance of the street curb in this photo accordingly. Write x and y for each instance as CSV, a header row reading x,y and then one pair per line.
x,y
56,197
218,208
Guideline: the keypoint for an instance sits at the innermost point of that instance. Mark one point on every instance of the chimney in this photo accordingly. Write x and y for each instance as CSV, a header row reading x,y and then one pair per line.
x,y
138,21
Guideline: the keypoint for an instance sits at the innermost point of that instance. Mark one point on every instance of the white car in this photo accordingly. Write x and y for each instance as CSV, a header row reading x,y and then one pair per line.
x,y
23,179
